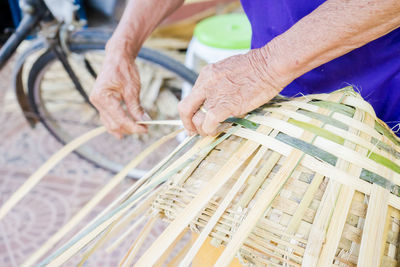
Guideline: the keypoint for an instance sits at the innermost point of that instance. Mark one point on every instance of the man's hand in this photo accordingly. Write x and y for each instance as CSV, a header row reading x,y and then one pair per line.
x,y
118,83
230,87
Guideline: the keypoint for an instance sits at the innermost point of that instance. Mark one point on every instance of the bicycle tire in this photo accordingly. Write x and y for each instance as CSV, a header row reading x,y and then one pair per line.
x,y
80,46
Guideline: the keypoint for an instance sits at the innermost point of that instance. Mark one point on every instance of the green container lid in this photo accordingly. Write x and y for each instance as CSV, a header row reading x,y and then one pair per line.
x,y
230,31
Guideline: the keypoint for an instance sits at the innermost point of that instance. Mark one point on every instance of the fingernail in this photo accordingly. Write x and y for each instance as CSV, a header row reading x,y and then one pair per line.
x,y
146,117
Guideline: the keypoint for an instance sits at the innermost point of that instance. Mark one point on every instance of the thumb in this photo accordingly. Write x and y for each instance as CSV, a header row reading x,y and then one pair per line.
x,y
213,119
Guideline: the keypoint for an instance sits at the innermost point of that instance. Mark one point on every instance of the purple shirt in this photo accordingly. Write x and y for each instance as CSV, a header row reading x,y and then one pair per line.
x,y
374,69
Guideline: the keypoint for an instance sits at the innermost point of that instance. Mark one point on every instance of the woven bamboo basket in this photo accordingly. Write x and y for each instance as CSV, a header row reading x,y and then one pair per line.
x,y
314,183
308,181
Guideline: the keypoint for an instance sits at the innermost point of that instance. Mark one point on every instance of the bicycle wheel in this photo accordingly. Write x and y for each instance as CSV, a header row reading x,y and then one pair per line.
x,y
65,113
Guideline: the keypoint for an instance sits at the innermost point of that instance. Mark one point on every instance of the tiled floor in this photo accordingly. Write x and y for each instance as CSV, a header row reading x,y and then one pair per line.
x,y
57,197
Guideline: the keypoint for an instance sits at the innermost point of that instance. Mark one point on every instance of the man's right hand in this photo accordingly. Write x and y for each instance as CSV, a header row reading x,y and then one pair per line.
x,y
118,83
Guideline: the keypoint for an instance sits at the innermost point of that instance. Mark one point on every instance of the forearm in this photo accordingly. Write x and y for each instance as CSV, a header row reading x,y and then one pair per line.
x,y
140,18
332,30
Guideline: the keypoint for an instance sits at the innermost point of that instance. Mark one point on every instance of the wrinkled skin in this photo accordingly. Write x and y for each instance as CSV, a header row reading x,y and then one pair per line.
x,y
117,83
231,87
239,84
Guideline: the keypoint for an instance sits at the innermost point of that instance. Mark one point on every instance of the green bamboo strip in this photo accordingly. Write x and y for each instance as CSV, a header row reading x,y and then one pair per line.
x,y
334,106
327,135
318,131
335,134
243,122
342,133
325,119
339,140
385,147
384,161
45,168
387,133
355,158
307,148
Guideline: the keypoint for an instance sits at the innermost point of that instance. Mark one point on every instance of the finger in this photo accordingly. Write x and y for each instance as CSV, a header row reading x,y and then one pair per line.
x,y
198,120
132,102
109,125
189,106
213,118
125,124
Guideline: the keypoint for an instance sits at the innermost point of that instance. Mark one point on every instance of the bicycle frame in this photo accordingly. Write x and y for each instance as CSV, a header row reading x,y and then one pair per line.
x,y
33,12
59,16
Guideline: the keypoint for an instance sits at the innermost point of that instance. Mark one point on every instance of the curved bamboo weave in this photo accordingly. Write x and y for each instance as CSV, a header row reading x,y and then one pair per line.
x,y
314,182
311,181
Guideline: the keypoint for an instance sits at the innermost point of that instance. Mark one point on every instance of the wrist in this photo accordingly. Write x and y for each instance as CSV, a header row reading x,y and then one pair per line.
x,y
122,47
267,66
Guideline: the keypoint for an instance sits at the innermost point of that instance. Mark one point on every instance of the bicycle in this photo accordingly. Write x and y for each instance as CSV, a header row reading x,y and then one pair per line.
x,y
60,78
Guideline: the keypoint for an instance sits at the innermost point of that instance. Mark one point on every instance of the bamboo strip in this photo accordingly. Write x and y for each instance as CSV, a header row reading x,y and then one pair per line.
x,y
187,215
162,122
128,192
85,210
57,259
370,252
255,184
90,232
304,204
336,227
125,195
178,258
349,122
222,207
45,168
133,250
164,258
126,233
307,219
99,243
262,203
345,198
385,235
324,212
133,214
82,239
327,145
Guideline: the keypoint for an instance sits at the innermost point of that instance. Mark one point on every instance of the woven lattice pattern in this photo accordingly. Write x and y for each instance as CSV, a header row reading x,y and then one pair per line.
x,y
308,181
325,171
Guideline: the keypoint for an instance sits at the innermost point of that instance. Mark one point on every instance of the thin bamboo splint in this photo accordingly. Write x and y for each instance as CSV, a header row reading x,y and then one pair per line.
x,y
310,181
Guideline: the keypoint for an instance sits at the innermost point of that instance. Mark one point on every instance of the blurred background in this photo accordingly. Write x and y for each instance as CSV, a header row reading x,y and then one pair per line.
x,y
47,70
